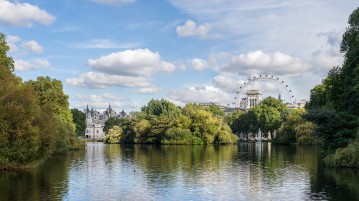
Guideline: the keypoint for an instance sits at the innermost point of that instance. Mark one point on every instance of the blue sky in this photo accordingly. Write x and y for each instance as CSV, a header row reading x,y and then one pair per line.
x,y
127,52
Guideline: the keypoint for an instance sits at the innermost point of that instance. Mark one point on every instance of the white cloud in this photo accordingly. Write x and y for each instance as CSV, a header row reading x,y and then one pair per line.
x,y
140,62
101,80
227,83
42,63
23,14
182,67
103,44
32,46
112,97
200,94
258,62
198,64
190,28
328,55
11,41
22,65
148,90
98,102
112,2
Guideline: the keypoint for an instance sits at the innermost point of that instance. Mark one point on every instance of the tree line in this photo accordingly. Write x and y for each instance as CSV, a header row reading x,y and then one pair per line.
x,y
161,122
35,119
334,104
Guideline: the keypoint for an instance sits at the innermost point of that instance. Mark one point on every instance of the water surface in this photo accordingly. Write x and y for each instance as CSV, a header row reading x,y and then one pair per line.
x,y
248,171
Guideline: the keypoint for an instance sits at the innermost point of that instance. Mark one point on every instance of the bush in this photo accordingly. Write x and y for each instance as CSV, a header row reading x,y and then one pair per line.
x,y
345,157
177,136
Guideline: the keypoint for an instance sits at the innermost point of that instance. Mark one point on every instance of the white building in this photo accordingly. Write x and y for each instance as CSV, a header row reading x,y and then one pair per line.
x,y
95,121
252,99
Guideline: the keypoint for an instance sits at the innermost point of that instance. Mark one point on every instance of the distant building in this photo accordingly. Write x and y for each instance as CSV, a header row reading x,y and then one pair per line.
x,y
95,121
252,99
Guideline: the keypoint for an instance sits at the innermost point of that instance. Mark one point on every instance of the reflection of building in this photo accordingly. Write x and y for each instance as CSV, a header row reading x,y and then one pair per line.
x,y
95,121
252,99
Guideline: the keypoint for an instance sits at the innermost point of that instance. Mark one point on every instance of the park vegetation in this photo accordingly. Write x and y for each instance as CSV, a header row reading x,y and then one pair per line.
x,y
161,122
334,104
35,119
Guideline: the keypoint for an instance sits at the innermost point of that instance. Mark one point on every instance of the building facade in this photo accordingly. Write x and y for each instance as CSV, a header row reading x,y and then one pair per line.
x,y
95,121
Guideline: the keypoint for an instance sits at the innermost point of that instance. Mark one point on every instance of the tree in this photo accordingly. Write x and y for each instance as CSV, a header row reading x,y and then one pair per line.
x,y
233,120
215,110
109,123
50,91
267,115
114,135
5,61
161,107
79,119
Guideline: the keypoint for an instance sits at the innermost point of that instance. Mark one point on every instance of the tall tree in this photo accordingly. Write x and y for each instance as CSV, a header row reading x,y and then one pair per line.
x,y
50,92
79,119
5,61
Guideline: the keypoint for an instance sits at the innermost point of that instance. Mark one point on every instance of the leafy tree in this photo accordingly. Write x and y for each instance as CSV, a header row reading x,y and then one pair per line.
x,y
292,118
5,61
233,120
110,123
79,119
114,135
337,129
318,97
161,107
177,136
267,115
50,94
215,110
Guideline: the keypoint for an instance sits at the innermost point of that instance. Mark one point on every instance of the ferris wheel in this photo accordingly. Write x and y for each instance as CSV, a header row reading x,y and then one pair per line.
x,y
285,91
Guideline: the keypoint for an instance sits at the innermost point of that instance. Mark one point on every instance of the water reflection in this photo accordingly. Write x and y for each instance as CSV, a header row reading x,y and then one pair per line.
x,y
247,171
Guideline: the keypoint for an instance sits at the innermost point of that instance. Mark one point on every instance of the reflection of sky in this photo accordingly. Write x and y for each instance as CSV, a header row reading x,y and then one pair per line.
x,y
245,176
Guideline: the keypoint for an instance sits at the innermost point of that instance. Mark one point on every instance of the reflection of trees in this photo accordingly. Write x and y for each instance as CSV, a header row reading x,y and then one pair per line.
x,y
336,184
46,182
345,179
167,160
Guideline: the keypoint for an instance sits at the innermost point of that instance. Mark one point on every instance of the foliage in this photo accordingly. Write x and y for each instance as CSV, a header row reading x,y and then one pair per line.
x,y
161,107
215,110
114,135
334,103
161,122
50,92
109,123
30,128
233,120
177,136
345,157
5,61
79,119
267,116
336,129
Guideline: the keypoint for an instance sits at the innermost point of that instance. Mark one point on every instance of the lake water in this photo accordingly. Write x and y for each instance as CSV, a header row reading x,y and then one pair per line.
x,y
248,171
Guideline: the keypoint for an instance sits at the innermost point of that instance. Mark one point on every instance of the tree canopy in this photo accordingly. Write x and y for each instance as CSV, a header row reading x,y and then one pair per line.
x,y
31,128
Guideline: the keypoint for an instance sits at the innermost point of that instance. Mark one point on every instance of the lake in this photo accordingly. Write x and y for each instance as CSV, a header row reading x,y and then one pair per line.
x,y
247,171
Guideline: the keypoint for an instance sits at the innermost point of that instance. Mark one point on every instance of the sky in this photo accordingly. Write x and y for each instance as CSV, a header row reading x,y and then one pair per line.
x,y
127,52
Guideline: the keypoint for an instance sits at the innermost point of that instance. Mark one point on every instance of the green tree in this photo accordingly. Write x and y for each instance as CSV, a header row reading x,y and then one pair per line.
x,y
233,120
79,119
114,135
5,61
110,122
267,115
215,110
161,107
50,91
50,94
